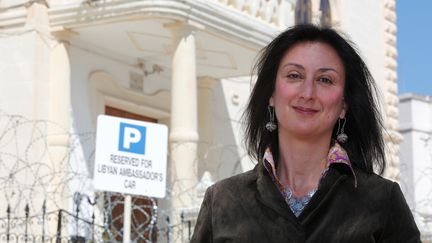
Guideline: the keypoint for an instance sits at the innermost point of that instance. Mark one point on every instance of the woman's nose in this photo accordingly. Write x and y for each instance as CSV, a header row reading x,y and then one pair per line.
x,y
307,89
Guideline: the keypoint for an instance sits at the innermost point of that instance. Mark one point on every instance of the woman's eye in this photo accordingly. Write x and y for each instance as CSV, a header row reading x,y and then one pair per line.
x,y
293,76
325,80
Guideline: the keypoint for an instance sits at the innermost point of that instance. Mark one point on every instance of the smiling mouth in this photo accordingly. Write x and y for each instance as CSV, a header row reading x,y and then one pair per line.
x,y
304,110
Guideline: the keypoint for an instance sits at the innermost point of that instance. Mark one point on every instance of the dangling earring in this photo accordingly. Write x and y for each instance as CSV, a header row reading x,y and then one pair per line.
x,y
271,125
341,136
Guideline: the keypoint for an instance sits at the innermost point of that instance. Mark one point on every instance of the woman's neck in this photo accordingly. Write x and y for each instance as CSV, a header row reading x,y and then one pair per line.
x,y
301,163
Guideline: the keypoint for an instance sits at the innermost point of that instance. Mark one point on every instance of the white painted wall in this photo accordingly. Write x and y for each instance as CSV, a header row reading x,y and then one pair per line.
x,y
24,97
24,88
236,95
362,21
416,156
221,104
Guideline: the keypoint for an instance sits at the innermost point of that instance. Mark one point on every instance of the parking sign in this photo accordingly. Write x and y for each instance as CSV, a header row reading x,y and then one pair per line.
x,y
132,138
131,156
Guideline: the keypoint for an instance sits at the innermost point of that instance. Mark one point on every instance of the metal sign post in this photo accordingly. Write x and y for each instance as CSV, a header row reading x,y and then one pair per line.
x,y
127,218
130,158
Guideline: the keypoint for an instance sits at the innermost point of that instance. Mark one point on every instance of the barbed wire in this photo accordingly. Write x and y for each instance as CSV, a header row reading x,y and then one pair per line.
x,y
46,176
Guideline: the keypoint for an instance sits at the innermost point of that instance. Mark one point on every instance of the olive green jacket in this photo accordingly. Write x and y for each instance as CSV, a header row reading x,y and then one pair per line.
x,y
249,208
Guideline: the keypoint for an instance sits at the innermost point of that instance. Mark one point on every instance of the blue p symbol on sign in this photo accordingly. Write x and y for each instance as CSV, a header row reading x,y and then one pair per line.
x,y
132,138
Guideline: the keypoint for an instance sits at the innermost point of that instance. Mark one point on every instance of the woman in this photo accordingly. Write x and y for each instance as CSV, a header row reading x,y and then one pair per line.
x,y
317,150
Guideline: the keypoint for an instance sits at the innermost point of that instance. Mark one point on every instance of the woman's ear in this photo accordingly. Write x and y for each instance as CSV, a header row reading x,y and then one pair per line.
x,y
271,102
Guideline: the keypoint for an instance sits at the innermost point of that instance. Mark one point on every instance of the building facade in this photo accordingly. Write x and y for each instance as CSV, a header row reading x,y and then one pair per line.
x,y
186,64
416,158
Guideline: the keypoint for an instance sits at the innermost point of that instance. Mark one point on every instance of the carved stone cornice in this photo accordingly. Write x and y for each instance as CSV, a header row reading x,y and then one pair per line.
x,y
211,14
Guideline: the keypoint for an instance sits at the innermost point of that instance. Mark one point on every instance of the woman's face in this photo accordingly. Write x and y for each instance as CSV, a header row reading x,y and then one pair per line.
x,y
309,88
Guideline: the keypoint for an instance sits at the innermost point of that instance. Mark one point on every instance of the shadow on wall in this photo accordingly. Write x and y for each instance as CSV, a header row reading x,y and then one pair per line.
x,y
220,150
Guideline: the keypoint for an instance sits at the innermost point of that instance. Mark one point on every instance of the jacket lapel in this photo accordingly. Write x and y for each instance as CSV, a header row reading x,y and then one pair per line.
x,y
324,193
269,195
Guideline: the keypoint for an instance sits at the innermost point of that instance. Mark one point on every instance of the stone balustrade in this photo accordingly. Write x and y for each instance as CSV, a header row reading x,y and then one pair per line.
x,y
274,12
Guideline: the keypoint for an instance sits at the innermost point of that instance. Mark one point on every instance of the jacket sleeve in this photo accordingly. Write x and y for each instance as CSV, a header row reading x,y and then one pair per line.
x,y
400,225
203,227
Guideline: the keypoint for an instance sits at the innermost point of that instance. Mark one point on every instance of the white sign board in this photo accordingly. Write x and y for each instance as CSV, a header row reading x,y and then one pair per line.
x,y
131,156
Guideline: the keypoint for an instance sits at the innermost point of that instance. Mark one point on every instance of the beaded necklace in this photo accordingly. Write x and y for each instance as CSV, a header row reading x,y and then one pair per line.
x,y
298,204
336,155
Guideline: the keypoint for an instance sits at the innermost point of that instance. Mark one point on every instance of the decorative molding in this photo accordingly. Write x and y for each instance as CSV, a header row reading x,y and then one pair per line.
x,y
209,14
391,118
104,90
269,11
411,96
212,15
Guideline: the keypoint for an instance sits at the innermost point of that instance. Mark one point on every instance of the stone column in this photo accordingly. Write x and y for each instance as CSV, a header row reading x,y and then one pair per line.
x,y
183,135
59,121
51,102
208,148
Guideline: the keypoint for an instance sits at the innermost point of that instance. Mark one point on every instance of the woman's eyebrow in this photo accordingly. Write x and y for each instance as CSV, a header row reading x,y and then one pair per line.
x,y
293,64
325,69
328,69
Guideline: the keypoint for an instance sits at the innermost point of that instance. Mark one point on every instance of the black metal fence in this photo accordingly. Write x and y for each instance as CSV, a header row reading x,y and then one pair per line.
x,y
60,225
54,226
29,173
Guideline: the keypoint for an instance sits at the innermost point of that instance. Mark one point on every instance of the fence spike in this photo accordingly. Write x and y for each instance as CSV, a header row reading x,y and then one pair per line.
x,y
43,220
168,229
8,211
59,226
93,227
27,212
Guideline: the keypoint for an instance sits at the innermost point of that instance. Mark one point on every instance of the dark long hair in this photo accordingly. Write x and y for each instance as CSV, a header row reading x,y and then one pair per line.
x,y
364,127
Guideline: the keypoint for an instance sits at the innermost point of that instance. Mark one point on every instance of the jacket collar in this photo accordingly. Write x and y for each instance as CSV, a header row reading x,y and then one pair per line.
x,y
336,155
269,192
